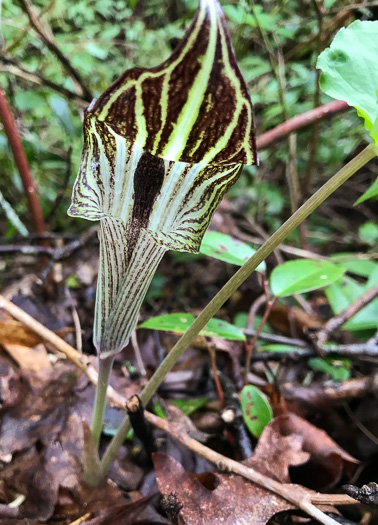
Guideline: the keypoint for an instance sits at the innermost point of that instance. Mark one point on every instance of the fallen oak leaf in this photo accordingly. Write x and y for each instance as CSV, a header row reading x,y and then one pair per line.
x,y
14,332
234,501
28,358
327,459
297,496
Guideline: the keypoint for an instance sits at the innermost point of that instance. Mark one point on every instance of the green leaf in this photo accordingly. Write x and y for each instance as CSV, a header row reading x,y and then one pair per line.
x,y
302,275
370,193
356,265
189,406
227,249
27,100
280,348
256,410
350,73
368,232
338,369
341,294
179,323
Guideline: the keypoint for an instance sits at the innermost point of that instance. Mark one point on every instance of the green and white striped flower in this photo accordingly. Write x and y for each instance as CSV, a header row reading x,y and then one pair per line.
x,y
162,146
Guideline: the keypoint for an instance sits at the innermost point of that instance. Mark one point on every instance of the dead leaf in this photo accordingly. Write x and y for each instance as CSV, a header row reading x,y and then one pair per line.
x,y
283,319
327,461
235,500
29,358
13,332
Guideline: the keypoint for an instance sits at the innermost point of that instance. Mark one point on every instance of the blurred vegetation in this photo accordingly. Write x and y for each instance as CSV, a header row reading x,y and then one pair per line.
x,y
276,44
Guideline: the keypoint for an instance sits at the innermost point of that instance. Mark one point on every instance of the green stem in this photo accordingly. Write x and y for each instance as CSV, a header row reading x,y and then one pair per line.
x,y
231,286
104,369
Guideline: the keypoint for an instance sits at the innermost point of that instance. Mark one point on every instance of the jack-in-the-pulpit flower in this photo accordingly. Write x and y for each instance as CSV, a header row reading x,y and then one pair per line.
x,y
161,148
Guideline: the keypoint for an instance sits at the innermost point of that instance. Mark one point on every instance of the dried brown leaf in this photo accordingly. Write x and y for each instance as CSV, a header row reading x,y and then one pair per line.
x,y
13,332
234,501
29,358
327,460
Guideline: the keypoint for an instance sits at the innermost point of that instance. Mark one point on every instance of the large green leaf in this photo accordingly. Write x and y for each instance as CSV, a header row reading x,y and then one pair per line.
x,y
179,322
355,265
227,249
256,410
350,73
161,147
302,275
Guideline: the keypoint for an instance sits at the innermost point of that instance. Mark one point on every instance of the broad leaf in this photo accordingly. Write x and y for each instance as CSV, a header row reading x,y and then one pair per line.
x,y
227,249
350,73
337,369
256,410
161,147
341,294
190,406
179,323
302,275
356,265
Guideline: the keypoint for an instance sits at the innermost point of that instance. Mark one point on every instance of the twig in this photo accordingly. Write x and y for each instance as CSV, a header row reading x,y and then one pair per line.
x,y
336,322
252,344
13,67
48,39
142,429
300,121
26,29
356,350
55,254
232,416
359,424
138,356
212,351
220,461
22,164
325,395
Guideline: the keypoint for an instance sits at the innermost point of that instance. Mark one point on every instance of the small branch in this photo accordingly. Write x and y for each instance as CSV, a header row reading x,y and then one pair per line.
x,y
48,39
22,164
252,344
14,68
300,121
325,395
142,429
55,254
336,322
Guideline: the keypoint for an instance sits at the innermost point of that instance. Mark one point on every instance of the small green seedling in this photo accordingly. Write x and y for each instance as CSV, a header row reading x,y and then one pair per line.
x,y
256,409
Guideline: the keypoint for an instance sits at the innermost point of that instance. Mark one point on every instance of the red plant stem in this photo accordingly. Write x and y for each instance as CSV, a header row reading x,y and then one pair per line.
x,y
299,122
22,164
